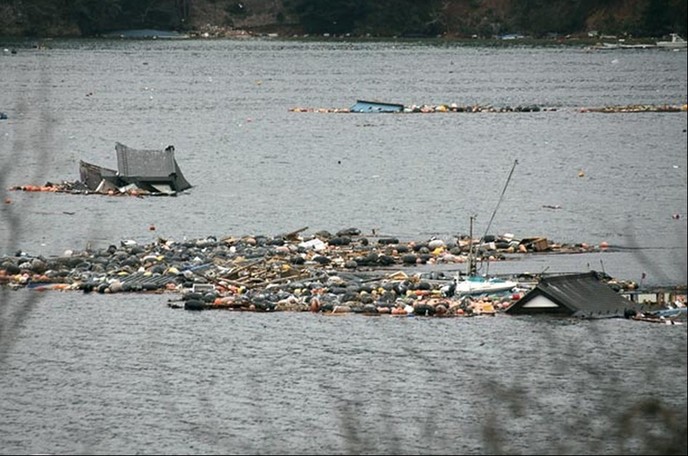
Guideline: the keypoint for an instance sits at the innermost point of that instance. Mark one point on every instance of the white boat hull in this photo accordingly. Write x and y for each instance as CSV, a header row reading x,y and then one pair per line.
x,y
480,285
676,43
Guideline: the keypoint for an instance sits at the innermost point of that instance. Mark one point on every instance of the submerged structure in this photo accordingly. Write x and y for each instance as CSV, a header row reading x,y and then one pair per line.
x,y
583,295
140,170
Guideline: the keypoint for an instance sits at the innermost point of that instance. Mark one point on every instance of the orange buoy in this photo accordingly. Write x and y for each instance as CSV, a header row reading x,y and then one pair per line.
x,y
603,245
315,304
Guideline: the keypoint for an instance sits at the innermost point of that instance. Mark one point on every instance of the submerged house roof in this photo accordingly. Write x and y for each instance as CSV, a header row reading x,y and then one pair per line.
x,y
579,295
155,171
155,168
92,175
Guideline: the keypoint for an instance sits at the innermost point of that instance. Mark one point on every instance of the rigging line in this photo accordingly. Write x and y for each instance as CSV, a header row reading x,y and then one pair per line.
x,y
501,197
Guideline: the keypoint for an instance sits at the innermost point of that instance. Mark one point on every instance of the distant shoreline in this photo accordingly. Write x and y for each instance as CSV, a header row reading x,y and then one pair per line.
x,y
229,34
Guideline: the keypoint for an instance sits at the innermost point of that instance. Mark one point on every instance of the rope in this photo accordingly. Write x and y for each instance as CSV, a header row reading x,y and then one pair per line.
x,y
501,197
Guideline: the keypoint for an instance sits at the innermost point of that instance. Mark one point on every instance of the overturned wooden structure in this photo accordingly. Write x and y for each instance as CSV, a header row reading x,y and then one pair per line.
x,y
140,170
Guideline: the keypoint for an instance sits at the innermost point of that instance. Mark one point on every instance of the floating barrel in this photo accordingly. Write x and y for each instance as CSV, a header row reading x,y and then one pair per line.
x,y
194,304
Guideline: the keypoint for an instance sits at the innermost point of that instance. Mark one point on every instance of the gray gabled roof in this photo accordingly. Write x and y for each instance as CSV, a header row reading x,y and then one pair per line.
x,y
155,171
148,163
579,295
146,167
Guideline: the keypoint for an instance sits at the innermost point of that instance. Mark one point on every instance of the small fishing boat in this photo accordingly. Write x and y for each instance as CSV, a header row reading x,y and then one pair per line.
x,y
652,317
621,45
473,284
676,42
670,312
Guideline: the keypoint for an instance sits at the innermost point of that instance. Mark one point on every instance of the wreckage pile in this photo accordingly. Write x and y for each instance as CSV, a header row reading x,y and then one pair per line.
x,y
363,106
367,107
425,108
140,172
637,108
345,272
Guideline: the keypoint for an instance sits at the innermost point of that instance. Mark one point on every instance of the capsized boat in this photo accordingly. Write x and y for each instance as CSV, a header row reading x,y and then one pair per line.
x,y
376,106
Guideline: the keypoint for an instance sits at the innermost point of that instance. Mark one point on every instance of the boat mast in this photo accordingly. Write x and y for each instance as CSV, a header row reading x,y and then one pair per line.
x,y
489,224
471,257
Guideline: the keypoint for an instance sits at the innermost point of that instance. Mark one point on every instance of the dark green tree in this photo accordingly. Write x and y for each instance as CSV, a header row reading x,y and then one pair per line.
x,y
405,18
661,17
330,16
540,17
39,17
99,16
163,14
94,16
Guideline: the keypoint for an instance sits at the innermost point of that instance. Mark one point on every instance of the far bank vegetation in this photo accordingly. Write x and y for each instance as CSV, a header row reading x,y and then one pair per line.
x,y
365,18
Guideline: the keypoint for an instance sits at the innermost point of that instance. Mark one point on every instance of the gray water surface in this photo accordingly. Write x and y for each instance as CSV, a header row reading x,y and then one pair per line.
x,y
100,374
111,374
258,168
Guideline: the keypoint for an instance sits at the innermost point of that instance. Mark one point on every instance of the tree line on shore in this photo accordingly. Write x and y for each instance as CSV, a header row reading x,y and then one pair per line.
x,y
378,18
